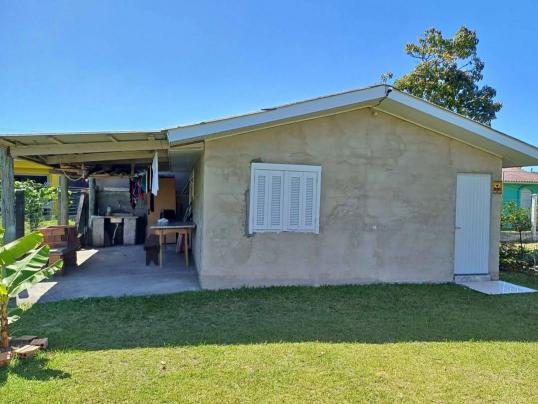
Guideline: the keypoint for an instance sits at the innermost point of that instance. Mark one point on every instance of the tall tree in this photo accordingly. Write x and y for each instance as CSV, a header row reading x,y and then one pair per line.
x,y
448,73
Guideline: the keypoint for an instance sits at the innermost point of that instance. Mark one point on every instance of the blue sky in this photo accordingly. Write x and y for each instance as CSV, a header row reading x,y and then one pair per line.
x,y
120,65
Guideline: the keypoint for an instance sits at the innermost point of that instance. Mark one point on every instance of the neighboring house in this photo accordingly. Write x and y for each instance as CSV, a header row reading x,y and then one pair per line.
x,y
371,185
37,172
518,186
29,170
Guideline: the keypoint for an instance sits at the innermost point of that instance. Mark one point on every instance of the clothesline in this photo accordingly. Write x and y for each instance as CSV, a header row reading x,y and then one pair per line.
x,y
143,182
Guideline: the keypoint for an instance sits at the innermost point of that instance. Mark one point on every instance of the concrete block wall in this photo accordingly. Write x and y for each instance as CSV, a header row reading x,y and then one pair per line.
x,y
119,201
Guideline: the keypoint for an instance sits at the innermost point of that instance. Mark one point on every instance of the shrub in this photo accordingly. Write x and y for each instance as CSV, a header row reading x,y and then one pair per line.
x,y
36,197
517,258
515,218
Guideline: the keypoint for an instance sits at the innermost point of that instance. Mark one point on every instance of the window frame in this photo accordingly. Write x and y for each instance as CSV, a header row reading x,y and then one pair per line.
x,y
300,168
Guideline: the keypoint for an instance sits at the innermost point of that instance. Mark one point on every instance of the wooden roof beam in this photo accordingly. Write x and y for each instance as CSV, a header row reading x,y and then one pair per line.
x,y
93,157
44,150
7,142
55,140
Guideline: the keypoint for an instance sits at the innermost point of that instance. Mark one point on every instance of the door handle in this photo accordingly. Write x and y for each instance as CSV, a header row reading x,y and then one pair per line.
x,y
458,227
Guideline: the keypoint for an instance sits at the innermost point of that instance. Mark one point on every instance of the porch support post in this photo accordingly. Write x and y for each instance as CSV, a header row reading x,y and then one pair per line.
x,y
91,205
534,207
19,213
63,217
91,198
8,194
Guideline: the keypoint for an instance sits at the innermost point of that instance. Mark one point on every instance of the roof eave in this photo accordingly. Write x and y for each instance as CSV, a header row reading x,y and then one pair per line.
x,y
279,116
513,152
520,182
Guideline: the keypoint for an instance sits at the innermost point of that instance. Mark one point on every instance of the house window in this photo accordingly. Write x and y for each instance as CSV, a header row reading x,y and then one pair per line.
x,y
525,197
284,197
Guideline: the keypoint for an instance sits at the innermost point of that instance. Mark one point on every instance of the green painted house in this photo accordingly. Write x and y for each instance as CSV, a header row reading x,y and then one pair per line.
x,y
518,186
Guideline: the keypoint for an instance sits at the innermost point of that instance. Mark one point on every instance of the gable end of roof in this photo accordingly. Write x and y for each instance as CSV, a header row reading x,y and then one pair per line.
x,y
512,151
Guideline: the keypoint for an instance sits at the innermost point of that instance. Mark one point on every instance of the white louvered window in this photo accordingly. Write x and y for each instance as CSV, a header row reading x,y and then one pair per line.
x,y
284,197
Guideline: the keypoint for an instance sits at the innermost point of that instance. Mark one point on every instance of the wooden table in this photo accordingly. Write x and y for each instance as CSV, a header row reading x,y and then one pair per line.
x,y
181,228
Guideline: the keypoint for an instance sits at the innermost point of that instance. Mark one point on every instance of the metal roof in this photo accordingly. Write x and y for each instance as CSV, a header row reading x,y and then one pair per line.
x,y
90,148
511,150
53,148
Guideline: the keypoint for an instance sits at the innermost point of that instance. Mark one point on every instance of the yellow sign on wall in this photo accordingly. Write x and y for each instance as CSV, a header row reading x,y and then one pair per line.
x,y
497,187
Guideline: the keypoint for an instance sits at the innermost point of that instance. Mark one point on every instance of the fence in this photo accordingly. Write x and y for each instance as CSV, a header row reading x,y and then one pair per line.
x,y
74,198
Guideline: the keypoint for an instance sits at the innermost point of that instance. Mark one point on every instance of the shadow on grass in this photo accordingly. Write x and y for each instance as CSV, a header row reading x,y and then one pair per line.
x,y
31,369
368,314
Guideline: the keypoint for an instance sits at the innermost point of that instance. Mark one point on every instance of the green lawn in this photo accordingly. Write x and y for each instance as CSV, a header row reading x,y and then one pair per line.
x,y
351,343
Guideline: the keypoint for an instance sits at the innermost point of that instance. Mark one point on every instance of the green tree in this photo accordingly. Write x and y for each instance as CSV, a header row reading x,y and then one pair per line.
x,y
515,218
448,73
23,263
36,197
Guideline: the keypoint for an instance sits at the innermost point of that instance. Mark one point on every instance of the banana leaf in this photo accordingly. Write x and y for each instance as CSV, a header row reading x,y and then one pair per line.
x,y
11,252
29,271
13,319
13,314
4,294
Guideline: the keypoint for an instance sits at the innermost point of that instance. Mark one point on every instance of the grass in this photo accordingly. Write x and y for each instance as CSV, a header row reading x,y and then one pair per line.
x,y
332,344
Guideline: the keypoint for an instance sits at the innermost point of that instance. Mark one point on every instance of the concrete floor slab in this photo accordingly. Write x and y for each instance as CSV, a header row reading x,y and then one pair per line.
x,y
116,271
496,287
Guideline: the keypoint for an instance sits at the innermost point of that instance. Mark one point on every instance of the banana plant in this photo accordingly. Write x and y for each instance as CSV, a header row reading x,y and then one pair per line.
x,y
23,263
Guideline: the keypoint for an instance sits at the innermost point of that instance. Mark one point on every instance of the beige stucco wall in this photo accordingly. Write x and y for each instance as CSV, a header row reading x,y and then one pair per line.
x,y
198,213
387,204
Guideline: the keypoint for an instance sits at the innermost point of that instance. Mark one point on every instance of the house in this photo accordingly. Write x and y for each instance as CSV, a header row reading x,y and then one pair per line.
x,y
518,186
29,170
370,185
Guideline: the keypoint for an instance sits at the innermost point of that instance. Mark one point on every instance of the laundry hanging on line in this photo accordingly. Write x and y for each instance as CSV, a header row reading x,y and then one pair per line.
x,y
136,189
155,174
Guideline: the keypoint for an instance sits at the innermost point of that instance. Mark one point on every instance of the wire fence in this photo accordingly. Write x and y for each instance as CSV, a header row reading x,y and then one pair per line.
x,y
49,212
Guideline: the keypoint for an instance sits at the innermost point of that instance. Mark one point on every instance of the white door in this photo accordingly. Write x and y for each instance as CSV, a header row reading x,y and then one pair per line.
x,y
471,255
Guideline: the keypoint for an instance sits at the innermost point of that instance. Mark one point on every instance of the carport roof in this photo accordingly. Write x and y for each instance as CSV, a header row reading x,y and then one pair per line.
x,y
512,151
55,149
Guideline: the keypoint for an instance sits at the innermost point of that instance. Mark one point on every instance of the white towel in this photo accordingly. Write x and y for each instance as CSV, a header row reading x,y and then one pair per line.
x,y
155,179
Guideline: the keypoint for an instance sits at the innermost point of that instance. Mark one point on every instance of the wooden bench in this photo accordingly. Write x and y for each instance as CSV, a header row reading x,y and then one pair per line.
x,y
67,254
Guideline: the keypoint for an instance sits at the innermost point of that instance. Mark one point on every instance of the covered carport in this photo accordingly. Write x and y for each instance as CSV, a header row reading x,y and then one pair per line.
x,y
114,272
77,155
99,156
